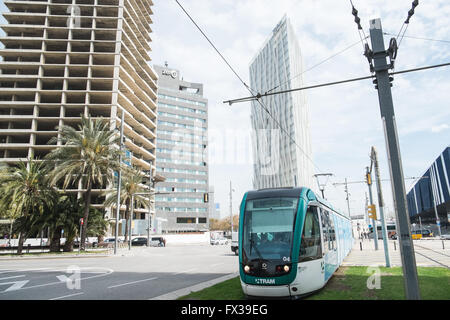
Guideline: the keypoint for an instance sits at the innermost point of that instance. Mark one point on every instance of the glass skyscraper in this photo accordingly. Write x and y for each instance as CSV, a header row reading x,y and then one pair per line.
x,y
282,157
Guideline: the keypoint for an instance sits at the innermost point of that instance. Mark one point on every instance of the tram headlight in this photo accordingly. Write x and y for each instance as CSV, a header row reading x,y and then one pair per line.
x,y
247,269
286,268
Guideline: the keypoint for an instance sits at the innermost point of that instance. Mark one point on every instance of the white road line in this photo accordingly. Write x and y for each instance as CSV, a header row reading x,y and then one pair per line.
x,y
23,270
12,277
124,284
69,295
186,271
216,264
108,271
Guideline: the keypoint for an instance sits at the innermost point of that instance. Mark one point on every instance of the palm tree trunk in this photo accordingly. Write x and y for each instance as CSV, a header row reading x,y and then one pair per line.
x,y
21,241
126,220
55,242
87,203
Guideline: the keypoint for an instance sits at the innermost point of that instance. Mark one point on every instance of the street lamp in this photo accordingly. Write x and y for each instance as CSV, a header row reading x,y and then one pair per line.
x,y
322,179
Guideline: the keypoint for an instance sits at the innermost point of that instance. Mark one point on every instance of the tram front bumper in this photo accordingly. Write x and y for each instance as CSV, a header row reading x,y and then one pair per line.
x,y
265,291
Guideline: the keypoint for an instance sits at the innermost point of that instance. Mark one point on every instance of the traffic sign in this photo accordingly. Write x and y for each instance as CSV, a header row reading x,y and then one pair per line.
x,y
81,221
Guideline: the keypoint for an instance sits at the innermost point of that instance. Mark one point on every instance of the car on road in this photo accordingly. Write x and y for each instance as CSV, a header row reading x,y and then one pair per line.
x,y
423,232
158,241
445,237
139,241
219,241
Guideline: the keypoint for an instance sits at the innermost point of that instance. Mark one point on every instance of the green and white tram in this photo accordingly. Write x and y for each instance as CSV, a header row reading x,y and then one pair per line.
x,y
290,242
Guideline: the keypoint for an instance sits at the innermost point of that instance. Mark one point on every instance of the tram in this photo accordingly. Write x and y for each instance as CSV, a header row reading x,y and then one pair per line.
x,y
290,242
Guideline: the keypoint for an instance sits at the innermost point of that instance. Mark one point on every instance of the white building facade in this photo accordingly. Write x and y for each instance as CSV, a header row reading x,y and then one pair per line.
x,y
282,157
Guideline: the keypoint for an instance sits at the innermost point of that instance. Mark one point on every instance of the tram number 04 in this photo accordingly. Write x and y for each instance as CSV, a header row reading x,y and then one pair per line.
x,y
245,309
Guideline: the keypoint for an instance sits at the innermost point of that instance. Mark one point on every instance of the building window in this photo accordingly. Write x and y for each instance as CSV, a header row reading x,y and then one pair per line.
x,y
311,247
185,220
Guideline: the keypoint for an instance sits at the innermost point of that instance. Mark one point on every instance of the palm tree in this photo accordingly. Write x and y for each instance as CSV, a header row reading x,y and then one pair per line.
x,y
24,191
131,186
88,157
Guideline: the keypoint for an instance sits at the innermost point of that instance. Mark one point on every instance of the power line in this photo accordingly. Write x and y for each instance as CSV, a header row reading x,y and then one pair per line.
x,y
258,96
419,38
210,42
317,64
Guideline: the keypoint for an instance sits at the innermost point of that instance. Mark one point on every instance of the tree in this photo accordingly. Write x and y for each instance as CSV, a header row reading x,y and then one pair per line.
x,y
88,157
131,184
25,192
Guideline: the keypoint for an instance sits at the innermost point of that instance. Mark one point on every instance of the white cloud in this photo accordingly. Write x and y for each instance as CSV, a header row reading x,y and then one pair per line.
x,y
439,128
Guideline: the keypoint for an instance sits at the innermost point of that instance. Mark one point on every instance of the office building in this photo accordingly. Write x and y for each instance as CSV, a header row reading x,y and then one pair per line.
x,y
430,194
282,157
185,199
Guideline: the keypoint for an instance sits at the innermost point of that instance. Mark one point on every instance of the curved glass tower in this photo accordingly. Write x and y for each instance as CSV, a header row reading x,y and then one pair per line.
x,y
280,160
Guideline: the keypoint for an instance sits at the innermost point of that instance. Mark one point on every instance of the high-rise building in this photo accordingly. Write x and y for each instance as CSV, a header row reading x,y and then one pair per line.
x,y
184,198
282,157
64,58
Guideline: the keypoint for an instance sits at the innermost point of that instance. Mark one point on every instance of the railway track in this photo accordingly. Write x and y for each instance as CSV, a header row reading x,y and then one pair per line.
x,y
430,258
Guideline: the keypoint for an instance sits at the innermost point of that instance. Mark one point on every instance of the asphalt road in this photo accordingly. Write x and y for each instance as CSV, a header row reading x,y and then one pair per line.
x,y
144,273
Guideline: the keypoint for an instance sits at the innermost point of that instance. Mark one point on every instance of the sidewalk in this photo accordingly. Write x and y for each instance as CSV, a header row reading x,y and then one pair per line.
x,y
429,253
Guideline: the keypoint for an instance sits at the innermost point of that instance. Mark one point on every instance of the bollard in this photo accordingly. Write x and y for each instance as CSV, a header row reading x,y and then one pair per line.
x,y
395,246
28,248
360,245
443,247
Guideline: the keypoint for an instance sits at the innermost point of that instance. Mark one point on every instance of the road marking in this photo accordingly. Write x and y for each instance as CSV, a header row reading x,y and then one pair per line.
x,y
106,272
217,264
124,284
186,271
16,285
12,277
69,295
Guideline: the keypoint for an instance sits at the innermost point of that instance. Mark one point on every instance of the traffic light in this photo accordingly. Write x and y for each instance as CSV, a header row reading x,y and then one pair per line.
x,y
372,211
368,179
205,197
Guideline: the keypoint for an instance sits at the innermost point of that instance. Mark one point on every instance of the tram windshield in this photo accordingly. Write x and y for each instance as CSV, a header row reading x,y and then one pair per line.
x,y
268,228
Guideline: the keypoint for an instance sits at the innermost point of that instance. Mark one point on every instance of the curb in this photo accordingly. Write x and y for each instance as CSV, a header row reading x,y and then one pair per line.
x,y
56,257
185,291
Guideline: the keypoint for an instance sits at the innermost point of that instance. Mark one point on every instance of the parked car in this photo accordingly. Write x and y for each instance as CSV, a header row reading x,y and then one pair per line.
x,y
423,232
158,241
76,243
219,241
139,241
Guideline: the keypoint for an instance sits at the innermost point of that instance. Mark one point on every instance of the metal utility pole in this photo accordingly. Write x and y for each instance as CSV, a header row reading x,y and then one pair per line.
x,y
323,183
348,199
374,157
119,181
374,220
434,193
231,208
383,81
131,220
150,185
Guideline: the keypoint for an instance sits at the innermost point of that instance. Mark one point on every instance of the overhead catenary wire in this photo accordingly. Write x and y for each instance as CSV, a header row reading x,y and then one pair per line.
x,y
419,38
212,44
245,99
317,64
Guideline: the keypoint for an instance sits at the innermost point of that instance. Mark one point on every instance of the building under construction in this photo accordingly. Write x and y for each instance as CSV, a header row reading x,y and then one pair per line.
x,y
64,58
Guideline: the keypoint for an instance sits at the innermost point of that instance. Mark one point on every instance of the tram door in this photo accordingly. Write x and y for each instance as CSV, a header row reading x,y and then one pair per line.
x,y
310,266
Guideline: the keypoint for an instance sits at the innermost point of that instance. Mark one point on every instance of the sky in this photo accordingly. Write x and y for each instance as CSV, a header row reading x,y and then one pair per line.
x,y
345,119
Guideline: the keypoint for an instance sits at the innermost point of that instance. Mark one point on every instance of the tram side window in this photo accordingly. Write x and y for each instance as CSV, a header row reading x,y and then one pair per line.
x,y
332,234
324,218
310,247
